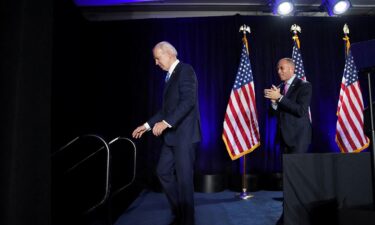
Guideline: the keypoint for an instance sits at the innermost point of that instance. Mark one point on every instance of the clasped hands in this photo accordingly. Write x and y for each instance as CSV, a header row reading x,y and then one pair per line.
x,y
157,130
272,93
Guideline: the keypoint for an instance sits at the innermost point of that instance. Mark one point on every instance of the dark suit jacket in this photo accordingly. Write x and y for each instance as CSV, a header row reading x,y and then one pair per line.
x,y
180,107
293,116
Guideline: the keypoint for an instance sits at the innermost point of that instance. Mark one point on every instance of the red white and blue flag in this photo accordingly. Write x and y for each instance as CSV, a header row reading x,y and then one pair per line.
x,y
297,59
241,130
350,136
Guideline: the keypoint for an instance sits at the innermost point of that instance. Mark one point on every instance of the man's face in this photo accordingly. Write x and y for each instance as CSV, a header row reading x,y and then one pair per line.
x,y
162,59
285,70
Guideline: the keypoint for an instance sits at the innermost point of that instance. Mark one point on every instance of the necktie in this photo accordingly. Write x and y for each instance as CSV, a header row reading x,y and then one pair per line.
x,y
167,77
286,87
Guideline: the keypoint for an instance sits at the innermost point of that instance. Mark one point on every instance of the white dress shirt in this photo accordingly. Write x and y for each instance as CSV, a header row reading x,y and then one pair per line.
x,y
170,71
289,82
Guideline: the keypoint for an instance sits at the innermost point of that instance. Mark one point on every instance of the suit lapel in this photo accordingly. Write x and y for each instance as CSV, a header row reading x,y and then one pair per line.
x,y
172,79
292,86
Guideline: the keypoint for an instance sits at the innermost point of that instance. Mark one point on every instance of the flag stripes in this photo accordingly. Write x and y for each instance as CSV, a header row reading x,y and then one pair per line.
x,y
350,135
240,129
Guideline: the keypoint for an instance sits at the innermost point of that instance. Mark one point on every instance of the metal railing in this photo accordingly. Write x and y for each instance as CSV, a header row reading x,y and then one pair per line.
x,y
104,197
117,139
108,192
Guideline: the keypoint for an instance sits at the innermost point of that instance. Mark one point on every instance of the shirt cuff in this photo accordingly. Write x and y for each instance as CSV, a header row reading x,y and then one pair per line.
x,y
147,126
169,126
281,97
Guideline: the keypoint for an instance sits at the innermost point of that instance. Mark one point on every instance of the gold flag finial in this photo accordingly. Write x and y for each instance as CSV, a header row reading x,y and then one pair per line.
x,y
346,38
245,29
296,29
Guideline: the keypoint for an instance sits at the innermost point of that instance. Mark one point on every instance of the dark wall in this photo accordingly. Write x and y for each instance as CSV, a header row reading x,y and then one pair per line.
x,y
25,87
105,80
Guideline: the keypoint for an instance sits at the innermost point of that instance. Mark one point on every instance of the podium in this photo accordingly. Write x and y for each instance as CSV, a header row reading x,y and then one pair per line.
x,y
325,188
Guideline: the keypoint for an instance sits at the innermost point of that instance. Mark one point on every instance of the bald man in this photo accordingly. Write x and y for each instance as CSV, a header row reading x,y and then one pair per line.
x,y
178,124
291,101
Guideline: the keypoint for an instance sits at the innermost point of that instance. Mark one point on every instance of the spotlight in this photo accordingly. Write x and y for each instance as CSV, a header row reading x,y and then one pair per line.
x,y
336,7
283,7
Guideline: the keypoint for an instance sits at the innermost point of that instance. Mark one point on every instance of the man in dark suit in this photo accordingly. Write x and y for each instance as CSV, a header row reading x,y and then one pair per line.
x,y
178,122
291,101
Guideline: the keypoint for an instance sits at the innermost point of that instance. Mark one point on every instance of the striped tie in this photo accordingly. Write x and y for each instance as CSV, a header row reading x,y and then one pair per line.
x,y
167,77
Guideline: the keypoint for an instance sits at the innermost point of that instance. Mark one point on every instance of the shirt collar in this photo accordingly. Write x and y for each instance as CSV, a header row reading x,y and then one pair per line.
x,y
173,66
290,81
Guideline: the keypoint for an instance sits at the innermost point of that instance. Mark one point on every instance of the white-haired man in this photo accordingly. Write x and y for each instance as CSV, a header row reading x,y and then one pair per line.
x,y
178,123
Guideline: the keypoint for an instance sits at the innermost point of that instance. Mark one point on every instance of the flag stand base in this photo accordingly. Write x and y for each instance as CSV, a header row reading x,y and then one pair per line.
x,y
244,195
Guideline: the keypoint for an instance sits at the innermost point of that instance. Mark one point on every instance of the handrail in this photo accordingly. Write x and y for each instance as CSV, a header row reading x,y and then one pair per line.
x,y
107,174
114,193
108,191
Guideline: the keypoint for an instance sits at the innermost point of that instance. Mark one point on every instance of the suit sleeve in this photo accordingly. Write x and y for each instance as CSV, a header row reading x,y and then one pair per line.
x,y
155,118
300,107
188,96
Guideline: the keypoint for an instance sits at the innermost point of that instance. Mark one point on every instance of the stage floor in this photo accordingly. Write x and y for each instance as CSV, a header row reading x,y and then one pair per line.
x,y
221,208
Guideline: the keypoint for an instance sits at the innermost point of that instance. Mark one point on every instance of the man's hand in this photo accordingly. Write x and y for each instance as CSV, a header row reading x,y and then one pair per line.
x,y
159,128
273,93
137,133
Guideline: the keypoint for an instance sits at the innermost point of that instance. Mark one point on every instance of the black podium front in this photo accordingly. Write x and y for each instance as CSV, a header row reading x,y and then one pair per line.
x,y
317,186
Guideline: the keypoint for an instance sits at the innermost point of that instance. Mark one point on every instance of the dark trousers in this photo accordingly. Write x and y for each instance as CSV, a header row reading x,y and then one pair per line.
x,y
175,172
297,148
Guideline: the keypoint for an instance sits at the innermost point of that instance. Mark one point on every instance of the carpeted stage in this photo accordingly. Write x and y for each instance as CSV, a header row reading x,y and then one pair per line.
x,y
221,208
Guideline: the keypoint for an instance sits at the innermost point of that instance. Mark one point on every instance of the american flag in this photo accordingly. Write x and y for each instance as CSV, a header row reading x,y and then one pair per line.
x,y
241,130
297,59
350,135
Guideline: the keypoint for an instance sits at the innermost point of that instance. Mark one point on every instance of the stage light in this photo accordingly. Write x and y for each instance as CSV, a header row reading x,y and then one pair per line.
x,y
283,7
336,7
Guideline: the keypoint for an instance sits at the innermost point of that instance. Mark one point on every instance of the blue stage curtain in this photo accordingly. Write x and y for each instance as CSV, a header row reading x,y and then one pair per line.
x,y
117,85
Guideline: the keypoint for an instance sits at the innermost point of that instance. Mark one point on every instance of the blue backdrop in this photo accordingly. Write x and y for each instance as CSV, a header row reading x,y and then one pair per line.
x,y
105,80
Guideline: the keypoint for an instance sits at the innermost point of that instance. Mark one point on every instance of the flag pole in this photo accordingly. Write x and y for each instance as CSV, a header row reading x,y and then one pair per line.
x,y
295,29
346,39
244,195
